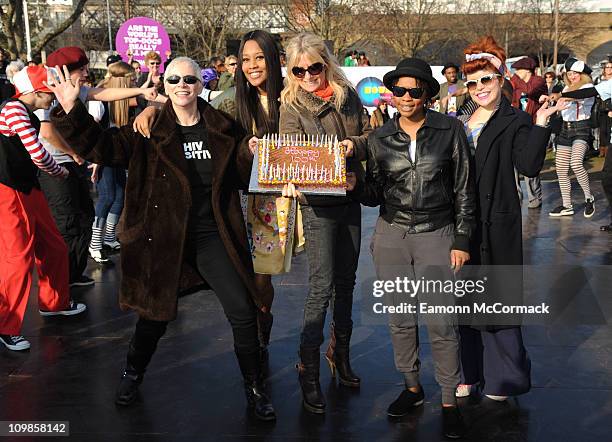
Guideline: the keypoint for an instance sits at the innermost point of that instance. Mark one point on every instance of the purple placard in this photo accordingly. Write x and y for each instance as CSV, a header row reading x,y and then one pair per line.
x,y
141,35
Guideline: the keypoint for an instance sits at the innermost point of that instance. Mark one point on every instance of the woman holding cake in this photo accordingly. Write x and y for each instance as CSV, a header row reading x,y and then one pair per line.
x,y
182,203
254,102
319,100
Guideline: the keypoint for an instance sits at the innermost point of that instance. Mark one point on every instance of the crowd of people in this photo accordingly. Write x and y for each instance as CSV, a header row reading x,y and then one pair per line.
x,y
446,182
356,58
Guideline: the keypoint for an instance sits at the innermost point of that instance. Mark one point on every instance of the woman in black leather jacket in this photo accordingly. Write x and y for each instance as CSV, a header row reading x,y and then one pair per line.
x,y
418,171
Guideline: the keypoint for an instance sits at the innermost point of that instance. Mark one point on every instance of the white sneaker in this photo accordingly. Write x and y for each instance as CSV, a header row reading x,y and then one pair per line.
x,y
496,398
98,256
113,245
15,343
464,390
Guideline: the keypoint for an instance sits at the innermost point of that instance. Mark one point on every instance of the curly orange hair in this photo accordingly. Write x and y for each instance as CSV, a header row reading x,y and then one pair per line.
x,y
485,44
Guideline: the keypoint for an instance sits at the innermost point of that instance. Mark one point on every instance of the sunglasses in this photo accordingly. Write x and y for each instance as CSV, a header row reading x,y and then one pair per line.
x,y
187,79
484,80
414,92
154,63
313,69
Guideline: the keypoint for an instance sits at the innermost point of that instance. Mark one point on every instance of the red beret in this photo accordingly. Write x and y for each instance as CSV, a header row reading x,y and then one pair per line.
x,y
525,63
71,56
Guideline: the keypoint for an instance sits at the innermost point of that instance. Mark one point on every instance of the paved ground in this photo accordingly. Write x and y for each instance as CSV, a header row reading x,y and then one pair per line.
x,y
192,391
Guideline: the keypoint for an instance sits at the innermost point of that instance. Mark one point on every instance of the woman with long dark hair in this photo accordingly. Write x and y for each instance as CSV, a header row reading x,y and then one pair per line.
x,y
254,102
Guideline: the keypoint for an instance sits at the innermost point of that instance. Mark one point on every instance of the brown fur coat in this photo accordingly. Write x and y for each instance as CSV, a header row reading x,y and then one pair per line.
x,y
153,225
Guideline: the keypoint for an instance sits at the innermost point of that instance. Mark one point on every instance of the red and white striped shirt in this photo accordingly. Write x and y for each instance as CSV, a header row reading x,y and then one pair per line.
x,y
14,120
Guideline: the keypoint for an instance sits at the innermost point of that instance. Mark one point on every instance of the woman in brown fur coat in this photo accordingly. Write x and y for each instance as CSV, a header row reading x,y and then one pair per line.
x,y
182,204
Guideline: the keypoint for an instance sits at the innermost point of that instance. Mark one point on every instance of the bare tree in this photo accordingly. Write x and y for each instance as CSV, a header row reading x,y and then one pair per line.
x,y
539,28
345,23
413,24
13,32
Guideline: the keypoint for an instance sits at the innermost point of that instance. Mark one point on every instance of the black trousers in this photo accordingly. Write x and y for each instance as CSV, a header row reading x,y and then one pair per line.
x,y
606,178
208,255
72,208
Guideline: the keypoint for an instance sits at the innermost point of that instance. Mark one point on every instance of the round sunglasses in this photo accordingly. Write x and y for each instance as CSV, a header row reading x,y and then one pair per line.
x,y
414,92
484,80
313,69
187,79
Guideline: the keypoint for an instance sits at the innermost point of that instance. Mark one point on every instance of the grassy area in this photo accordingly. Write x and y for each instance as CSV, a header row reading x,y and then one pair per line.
x,y
549,173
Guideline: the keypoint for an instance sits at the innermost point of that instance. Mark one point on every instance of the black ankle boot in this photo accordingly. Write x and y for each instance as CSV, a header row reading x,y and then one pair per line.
x,y
308,375
127,390
337,356
257,400
140,351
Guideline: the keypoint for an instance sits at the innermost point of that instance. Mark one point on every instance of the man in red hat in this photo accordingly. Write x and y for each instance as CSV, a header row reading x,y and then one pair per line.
x,y
528,88
69,200
28,233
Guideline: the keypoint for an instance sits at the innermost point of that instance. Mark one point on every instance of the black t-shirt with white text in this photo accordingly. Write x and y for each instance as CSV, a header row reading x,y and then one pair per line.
x,y
199,162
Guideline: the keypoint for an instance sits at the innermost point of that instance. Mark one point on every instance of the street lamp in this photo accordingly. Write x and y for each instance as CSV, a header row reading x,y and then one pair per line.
x,y
110,37
26,20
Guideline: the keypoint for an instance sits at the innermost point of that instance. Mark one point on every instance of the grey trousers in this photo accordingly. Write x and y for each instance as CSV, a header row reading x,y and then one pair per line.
x,y
533,185
415,256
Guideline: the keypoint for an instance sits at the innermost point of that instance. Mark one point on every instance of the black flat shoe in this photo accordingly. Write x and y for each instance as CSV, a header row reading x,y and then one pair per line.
x,y
607,228
405,402
453,426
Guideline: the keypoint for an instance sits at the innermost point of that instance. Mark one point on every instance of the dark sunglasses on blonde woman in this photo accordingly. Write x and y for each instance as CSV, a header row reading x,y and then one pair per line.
x,y
484,80
313,69
187,79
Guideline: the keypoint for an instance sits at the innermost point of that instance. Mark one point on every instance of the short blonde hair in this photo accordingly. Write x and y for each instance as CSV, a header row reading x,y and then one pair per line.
x,y
314,48
184,60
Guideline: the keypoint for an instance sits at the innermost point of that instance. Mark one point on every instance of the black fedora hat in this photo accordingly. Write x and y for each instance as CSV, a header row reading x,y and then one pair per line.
x,y
415,68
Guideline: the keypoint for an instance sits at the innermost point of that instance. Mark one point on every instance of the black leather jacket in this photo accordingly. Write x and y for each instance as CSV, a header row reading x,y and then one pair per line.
x,y
434,191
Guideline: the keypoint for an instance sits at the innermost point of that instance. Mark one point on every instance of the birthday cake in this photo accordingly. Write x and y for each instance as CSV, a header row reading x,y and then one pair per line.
x,y
305,160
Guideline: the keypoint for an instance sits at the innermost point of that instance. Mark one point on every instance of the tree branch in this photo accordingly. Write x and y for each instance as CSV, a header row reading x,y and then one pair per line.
x,y
42,41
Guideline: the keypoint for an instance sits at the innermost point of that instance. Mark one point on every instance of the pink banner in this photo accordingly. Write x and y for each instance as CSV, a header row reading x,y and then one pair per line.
x,y
141,35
